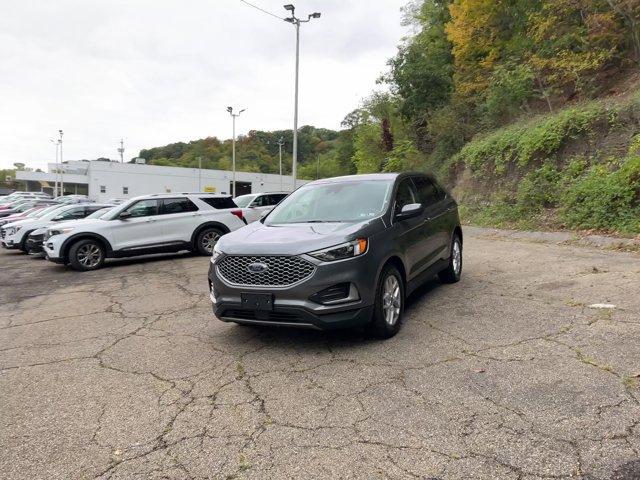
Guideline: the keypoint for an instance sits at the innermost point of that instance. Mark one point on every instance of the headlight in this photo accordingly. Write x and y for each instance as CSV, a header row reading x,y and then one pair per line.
x,y
58,231
342,251
216,253
12,230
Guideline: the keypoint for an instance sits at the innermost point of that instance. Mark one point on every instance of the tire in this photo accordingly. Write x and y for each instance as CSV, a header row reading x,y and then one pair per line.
x,y
386,323
23,243
452,273
206,240
85,255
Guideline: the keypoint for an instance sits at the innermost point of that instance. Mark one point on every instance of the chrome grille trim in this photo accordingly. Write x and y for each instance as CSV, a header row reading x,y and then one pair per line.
x,y
283,270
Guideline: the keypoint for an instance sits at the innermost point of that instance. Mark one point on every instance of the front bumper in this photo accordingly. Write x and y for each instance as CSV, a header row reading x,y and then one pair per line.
x,y
35,244
292,306
8,244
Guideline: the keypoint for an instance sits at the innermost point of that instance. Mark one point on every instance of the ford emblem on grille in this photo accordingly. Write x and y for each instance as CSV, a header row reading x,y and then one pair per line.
x,y
257,267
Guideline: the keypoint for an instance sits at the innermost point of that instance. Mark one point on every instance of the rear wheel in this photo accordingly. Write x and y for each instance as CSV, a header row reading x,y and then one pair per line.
x,y
452,273
389,304
207,239
85,255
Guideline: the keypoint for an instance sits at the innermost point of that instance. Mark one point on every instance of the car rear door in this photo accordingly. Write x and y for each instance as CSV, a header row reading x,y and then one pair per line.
x,y
179,217
436,226
142,229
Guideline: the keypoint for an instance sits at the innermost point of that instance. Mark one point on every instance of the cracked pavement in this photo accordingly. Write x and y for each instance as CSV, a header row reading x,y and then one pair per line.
x,y
125,373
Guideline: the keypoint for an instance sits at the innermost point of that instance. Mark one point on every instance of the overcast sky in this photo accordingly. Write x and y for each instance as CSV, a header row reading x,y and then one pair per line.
x,y
161,71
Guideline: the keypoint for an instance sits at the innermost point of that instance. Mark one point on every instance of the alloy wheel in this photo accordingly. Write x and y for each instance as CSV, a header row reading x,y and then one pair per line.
x,y
209,241
457,257
89,255
391,300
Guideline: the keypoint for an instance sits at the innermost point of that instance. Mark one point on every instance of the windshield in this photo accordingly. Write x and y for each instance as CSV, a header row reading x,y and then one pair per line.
x,y
243,200
333,202
101,212
44,211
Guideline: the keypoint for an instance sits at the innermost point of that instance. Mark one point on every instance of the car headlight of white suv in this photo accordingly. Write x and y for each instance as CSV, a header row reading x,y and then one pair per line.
x,y
58,231
12,230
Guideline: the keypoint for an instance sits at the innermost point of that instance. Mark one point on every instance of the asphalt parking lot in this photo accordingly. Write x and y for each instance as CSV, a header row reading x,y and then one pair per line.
x,y
124,373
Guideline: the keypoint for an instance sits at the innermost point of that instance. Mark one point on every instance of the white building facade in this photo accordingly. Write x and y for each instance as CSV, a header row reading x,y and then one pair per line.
x,y
102,180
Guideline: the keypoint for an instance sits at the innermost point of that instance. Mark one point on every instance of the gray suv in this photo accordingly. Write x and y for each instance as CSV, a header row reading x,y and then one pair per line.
x,y
339,253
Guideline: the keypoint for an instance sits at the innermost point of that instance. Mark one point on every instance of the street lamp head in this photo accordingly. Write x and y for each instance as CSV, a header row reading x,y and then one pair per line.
x,y
289,7
241,111
315,15
230,109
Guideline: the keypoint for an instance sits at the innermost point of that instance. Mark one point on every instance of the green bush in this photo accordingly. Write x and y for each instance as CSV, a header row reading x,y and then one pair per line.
x,y
606,198
540,189
521,143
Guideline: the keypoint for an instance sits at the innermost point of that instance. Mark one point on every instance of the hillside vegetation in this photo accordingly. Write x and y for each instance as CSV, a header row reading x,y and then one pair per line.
x,y
525,108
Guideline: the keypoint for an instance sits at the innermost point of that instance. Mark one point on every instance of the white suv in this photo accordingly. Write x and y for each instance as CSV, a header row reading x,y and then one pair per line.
x,y
148,224
256,205
14,235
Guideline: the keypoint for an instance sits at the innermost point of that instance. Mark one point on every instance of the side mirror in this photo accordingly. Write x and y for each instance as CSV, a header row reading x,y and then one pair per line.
x,y
124,215
409,211
57,219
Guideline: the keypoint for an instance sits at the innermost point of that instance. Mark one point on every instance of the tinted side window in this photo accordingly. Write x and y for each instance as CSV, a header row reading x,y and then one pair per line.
x,y
219,202
275,198
72,214
260,201
177,205
405,195
92,209
143,208
427,191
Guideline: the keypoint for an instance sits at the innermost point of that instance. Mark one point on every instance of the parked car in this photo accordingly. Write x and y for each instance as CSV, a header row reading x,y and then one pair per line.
x,y
17,196
29,213
35,240
147,224
23,205
255,205
14,235
340,252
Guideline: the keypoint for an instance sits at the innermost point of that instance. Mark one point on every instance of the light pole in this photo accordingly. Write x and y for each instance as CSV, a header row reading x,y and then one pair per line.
x,y
56,143
280,144
199,174
121,150
61,171
233,151
296,22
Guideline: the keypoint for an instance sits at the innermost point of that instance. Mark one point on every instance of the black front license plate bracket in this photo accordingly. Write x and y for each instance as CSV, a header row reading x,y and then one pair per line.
x,y
257,301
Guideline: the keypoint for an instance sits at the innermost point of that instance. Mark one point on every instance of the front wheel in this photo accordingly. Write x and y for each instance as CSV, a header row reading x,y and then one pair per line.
x,y
207,239
452,273
85,255
389,304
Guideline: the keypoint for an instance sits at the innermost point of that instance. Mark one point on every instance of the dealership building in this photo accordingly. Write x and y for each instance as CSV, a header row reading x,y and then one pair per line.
x,y
104,180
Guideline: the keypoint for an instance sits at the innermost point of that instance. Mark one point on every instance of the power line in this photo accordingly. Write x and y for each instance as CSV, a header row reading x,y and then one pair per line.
x,y
262,10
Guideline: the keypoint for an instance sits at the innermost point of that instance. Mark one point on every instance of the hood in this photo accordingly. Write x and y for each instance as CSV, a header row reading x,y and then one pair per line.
x,y
294,239
83,223
29,223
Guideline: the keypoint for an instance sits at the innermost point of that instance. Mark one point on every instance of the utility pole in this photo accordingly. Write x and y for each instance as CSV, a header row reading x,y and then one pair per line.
x,y
121,150
280,144
296,22
233,151
318,168
55,190
199,174
61,167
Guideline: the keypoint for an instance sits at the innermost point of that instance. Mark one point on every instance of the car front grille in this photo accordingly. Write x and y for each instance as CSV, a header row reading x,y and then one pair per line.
x,y
2,233
281,271
276,317
37,238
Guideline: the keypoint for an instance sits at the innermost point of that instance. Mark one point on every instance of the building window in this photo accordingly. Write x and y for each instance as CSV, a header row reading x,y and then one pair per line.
x,y
103,189
125,190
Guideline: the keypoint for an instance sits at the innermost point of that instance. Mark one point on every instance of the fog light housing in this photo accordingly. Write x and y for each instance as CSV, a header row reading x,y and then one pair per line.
x,y
339,293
